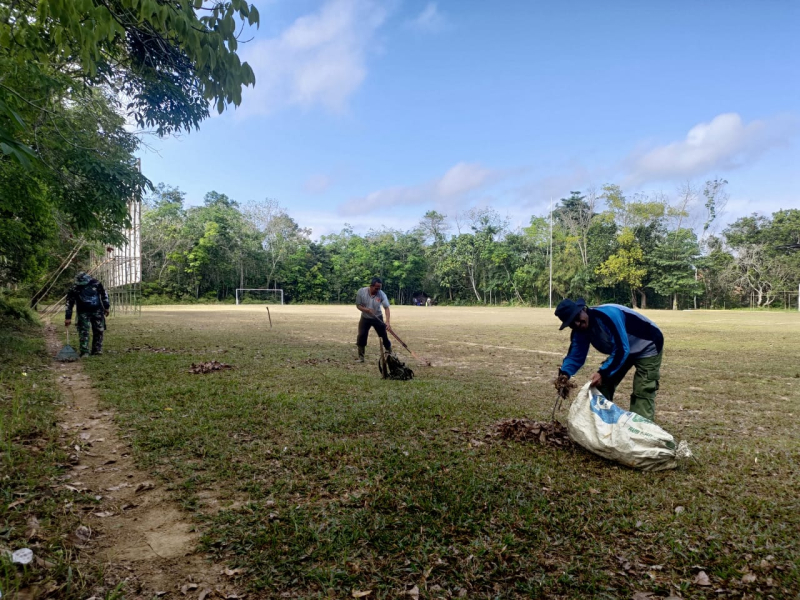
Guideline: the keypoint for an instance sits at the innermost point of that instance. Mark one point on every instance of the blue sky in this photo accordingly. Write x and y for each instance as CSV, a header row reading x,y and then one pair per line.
x,y
371,113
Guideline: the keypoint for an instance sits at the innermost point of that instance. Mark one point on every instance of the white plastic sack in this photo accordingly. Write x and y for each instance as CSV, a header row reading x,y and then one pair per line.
x,y
604,428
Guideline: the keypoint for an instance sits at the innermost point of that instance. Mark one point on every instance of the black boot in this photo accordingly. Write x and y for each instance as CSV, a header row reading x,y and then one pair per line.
x,y
361,353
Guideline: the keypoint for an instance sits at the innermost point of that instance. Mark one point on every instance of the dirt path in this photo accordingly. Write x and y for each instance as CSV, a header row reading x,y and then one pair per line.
x,y
134,530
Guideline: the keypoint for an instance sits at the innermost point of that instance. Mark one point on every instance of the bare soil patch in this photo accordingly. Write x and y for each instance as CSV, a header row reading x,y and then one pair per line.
x,y
131,527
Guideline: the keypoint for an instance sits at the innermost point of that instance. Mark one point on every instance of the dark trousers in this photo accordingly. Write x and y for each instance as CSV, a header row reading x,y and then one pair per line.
x,y
645,384
380,328
94,322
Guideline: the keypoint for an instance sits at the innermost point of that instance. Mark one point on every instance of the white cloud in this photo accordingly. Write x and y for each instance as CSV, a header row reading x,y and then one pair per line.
x,y
454,185
325,223
317,184
462,178
430,20
320,60
724,143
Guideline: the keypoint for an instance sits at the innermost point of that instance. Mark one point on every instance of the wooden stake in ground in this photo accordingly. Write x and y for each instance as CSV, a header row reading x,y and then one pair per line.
x,y
383,366
270,318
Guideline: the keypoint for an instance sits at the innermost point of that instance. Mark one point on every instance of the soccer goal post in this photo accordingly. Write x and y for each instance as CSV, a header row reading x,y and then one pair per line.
x,y
238,290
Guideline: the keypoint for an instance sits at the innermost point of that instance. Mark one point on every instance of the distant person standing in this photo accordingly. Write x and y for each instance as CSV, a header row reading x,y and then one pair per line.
x,y
370,300
91,300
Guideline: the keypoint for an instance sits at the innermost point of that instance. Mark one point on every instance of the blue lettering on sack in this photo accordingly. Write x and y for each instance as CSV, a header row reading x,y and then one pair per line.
x,y
607,411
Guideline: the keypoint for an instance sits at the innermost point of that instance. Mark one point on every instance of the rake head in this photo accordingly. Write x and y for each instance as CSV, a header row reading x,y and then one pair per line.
x,y
67,354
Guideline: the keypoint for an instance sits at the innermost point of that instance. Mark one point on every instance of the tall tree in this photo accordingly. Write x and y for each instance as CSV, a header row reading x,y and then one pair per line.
x,y
576,213
626,265
279,234
674,265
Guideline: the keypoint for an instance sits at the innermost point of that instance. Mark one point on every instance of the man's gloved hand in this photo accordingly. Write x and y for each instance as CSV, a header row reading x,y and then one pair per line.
x,y
105,312
67,322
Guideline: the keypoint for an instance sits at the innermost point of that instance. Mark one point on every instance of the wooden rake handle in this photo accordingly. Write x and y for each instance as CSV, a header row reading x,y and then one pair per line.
x,y
427,363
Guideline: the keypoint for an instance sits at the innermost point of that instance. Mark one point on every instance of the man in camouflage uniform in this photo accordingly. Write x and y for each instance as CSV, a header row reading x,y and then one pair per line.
x,y
92,302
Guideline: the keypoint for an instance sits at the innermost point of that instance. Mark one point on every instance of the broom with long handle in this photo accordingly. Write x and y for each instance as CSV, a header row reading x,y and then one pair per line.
x,y
425,362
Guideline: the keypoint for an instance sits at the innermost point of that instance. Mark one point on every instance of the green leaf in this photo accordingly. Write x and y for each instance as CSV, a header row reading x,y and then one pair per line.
x,y
253,18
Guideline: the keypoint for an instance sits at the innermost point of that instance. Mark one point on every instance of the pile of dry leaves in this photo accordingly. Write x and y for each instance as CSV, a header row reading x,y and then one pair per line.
x,y
207,367
526,430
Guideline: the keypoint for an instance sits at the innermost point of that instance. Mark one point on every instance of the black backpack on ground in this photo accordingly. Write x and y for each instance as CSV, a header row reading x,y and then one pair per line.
x,y
392,367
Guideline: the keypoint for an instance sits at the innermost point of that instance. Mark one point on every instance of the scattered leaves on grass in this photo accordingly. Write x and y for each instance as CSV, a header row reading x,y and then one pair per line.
x,y
149,348
104,514
44,564
32,530
316,361
360,594
81,536
26,593
144,486
19,502
115,488
526,430
188,587
701,579
208,367
749,578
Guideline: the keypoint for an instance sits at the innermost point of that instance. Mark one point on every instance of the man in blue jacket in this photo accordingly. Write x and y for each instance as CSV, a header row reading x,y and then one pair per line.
x,y
628,338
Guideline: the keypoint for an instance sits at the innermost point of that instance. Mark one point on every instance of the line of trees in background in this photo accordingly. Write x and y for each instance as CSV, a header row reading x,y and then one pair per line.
x,y
643,251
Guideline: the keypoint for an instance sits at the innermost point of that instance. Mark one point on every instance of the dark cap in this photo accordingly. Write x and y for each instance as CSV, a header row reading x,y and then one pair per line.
x,y
567,310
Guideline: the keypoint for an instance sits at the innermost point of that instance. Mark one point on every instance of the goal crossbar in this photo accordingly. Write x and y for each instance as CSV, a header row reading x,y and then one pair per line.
x,y
257,290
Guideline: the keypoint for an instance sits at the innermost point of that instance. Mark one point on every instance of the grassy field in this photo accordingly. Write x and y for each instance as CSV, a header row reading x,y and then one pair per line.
x,y
333,482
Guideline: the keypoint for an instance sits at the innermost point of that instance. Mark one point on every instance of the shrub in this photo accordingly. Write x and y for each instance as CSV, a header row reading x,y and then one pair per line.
x,y
18,309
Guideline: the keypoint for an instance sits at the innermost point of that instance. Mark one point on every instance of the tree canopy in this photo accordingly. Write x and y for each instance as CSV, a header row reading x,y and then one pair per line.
x,y
74,75
652,258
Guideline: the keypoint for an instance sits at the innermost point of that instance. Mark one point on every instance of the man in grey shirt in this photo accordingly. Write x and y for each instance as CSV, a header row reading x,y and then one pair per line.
x,y
370,300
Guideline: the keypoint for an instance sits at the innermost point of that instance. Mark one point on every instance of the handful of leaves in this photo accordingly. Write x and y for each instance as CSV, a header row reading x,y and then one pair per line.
x,y
563,385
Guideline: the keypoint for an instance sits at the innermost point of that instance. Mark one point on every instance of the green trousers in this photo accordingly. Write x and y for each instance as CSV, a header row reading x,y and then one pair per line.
x,y
94,322
645,384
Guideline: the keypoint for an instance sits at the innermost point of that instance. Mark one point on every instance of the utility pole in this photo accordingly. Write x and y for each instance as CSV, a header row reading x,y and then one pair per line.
x,y
551,253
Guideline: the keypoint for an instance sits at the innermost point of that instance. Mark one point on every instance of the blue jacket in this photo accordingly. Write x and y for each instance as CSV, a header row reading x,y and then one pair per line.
x,y
615,330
